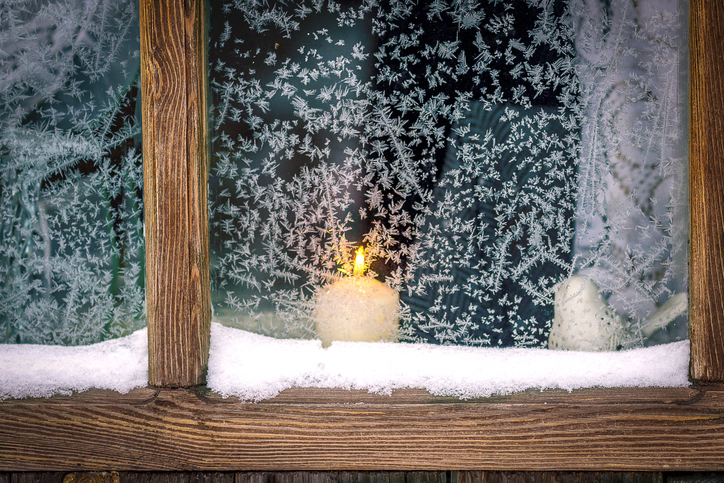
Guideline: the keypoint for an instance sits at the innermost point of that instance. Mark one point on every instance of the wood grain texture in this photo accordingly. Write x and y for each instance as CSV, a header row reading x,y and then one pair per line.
x,y
175,145
701,477
377,477
37,477
555,477
328,477
164,430
177,477
706,188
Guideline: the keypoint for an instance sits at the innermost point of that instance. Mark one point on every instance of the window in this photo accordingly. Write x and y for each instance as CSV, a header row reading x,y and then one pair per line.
x,y
163,429
71,226
478,156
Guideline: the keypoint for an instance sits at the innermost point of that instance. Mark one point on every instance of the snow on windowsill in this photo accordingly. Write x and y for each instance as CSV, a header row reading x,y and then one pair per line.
x,y
255,367
30,370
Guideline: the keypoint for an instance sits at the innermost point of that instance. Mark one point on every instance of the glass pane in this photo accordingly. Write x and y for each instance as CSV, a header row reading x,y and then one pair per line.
x,y
71,234
509,169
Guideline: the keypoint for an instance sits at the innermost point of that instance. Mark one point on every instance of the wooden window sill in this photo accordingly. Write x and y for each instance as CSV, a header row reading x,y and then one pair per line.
x,y
148,429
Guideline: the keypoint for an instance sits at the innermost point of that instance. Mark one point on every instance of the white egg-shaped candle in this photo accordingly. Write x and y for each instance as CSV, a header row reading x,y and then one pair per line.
x,y
583,320
357,308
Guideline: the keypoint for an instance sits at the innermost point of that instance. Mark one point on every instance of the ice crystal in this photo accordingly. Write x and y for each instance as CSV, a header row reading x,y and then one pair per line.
x,y
632,216
71,239
481,152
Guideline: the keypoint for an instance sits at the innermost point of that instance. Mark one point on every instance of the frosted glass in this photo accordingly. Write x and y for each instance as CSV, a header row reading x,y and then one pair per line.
x,y
481,153
71,227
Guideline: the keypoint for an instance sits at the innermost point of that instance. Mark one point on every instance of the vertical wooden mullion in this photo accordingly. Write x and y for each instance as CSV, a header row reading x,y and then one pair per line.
x,y
175,173
706,188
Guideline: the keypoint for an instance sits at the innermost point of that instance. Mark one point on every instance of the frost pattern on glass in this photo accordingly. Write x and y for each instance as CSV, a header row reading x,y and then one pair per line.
x,y
632,227
453,140
71,240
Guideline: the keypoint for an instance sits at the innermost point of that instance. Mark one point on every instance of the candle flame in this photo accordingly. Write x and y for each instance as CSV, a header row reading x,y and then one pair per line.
x,y
359,263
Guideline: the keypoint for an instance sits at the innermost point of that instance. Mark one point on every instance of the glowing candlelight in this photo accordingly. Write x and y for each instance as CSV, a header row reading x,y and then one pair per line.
x,y
357,308
359,263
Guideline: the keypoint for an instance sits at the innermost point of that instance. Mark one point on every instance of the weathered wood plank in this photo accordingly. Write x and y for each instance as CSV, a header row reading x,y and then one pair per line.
x,y
249,477
466,477
570,477
37,477
372,477
174,93
176,477
695,478
183,430
93,477
426,477
592,397
322,477
361,477
366,477
706,187
403,397
328,477
462,477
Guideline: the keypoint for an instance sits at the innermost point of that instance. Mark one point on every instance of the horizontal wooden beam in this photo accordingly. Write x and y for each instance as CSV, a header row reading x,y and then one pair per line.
x,y
352,477
349,477
190,430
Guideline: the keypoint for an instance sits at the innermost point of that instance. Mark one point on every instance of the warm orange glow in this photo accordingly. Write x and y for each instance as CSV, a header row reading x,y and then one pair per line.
x,y
359,263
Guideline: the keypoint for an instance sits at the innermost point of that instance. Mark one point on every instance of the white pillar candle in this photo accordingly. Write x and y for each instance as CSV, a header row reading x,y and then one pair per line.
x,y
357,308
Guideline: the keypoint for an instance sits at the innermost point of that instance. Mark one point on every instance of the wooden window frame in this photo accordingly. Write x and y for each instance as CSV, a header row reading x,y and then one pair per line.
x,y
175,424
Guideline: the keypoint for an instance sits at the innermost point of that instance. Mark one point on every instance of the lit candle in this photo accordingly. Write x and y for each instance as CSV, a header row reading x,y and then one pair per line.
x,y
357,308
